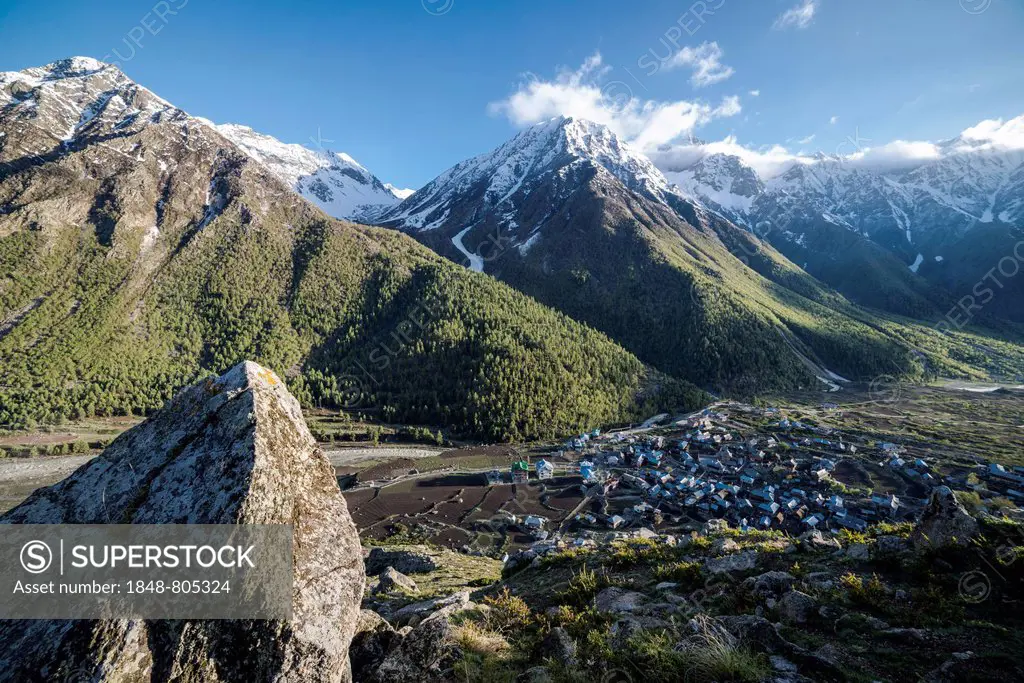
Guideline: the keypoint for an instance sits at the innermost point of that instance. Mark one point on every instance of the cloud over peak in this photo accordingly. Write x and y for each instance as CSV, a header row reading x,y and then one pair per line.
x,y
589,93
772,161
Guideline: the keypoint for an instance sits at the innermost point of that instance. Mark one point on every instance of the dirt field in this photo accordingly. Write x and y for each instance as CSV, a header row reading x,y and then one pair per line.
x,y
456,509
93,429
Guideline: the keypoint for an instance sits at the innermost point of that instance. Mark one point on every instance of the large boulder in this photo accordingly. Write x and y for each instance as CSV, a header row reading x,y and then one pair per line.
x,y
760,635
816,540
373,640
419,655
417,611
228,450
796,608
404,561
944,522
560,646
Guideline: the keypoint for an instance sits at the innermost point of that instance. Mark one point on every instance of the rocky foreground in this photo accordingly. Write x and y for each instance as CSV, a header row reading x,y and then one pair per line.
x,y
229,450
935,600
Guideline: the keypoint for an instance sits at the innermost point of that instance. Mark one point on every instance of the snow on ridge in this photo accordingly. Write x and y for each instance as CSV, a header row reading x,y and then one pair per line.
x,y
400,192
476,262
966,185
334,181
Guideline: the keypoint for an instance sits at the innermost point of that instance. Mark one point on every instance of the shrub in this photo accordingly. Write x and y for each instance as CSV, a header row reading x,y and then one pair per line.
x,y
901,529
871,593
582,587
485,655
569,556
508,614
689,574
699,544
709,655
473,637
639,551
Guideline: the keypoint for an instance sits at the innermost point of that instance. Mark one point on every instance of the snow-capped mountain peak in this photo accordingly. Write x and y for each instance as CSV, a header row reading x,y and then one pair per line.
x,y
553,149
723,182
334,181
56,103
977,177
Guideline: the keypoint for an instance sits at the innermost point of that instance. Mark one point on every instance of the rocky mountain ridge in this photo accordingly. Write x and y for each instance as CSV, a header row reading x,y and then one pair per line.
x,y
573,216
938,224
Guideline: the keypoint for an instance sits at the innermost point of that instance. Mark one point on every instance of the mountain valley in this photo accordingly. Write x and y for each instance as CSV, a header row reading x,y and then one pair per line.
x,y
574,410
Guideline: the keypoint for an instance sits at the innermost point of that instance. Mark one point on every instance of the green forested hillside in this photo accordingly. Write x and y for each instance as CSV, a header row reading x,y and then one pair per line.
x,y
357,318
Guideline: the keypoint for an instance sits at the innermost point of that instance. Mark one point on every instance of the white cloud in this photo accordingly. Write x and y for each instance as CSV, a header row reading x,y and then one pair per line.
x,y
799,16
662,129
894,155
706,62
768,161
730,107
588,93
834,120
755,93
993,134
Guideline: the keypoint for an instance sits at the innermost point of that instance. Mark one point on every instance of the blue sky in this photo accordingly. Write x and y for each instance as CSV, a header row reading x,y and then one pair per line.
x,y
409,87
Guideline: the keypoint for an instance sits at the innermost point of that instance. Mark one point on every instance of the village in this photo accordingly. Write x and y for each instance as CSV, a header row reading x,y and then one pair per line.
x,y
700,472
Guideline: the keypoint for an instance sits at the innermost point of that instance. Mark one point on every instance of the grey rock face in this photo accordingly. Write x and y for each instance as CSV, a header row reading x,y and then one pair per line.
x,y
419,654
561,646
890,545
404,561
769,584
816,540
858,551
619,601
418,610
373,639
731,563
724,545
229,450
759,634
945,522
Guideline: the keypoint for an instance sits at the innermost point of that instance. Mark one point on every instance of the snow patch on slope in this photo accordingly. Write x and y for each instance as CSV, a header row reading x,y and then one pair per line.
x,y
476,262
